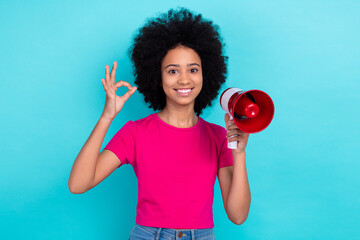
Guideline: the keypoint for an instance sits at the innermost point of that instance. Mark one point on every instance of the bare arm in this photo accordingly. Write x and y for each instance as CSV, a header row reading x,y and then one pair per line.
x,y
233,179
84,167
90,167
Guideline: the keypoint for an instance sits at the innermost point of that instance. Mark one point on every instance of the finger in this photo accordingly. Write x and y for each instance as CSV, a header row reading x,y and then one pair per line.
x,y
107,90
232,133
123,83
232,138
113,71
230,124
128,94
108,82
103,83
107,76
133,89
235,131
237,138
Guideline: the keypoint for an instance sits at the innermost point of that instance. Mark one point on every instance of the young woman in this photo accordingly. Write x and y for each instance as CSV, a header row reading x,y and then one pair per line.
x,y
176,155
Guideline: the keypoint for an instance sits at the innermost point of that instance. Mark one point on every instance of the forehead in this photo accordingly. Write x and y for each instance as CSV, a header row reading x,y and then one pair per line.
x,y
181,55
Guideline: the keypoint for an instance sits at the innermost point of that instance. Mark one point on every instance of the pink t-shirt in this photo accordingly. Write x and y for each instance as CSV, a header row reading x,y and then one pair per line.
x,y
176,169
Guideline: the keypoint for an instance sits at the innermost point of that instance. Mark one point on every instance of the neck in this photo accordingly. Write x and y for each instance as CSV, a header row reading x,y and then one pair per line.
x,y
181,117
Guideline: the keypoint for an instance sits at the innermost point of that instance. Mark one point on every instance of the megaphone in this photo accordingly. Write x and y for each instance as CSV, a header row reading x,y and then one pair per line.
x,y
251,110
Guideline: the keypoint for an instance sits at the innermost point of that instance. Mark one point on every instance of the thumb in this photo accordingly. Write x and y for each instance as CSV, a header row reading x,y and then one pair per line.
x,y
133,89
129,93
227,117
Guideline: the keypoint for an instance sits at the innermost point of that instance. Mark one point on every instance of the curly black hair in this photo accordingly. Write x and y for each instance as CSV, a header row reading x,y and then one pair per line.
x,y
167,31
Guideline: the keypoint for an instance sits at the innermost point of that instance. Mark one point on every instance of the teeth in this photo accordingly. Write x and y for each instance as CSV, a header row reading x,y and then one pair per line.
x,y
184,91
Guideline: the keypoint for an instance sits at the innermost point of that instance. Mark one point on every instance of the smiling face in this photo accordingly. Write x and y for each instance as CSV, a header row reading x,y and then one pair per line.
x,y
181,73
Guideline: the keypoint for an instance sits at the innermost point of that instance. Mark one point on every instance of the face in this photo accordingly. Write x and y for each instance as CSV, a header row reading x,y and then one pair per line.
x,y
181,73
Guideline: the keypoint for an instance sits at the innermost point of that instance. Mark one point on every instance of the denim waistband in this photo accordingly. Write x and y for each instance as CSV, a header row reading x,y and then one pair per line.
x,y
171,232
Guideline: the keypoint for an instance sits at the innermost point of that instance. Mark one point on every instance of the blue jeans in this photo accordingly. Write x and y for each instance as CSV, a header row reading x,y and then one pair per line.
x,y
140,232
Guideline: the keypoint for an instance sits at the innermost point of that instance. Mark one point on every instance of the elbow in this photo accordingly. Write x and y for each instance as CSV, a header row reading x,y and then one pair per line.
x,y
238,218
240,221
75,190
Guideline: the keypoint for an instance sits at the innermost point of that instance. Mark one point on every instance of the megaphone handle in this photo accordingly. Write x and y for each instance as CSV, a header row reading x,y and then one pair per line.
x,y
232,145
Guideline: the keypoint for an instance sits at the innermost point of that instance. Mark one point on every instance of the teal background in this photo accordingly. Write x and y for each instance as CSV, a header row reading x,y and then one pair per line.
x,y
303,169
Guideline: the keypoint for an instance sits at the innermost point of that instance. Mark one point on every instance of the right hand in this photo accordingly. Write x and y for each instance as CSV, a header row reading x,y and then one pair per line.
x,y
114,103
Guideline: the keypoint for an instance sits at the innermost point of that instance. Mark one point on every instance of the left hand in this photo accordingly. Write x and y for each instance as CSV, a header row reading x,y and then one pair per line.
x,y
232,129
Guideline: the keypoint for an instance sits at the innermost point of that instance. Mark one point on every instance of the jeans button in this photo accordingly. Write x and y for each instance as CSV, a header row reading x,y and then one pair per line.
x,y
180,234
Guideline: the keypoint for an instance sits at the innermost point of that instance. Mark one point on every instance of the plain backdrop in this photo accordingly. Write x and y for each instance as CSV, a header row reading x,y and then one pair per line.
x,y
303,169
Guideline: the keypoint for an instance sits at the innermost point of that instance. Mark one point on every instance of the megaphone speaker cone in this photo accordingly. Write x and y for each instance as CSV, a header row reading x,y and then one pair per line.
x,y
246,108
253,111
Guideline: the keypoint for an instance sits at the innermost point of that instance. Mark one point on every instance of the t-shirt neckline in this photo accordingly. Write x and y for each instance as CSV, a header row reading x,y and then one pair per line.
x,y
176,128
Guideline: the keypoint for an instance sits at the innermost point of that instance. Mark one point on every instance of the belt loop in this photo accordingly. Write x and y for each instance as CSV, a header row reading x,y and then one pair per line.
x,y
192,234
158,234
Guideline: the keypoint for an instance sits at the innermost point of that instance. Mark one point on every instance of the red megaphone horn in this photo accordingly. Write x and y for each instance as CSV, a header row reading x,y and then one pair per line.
x,y
251,110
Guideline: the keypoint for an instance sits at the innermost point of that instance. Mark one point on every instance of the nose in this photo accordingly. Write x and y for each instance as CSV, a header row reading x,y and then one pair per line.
x,y
184,79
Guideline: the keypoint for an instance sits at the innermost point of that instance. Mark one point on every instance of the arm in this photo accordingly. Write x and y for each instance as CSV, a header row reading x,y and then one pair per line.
x,y
82,176
89,167
233,179
235,189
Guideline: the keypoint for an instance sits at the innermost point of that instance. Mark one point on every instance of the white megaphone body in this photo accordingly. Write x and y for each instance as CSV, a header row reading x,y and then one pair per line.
x,y
251,110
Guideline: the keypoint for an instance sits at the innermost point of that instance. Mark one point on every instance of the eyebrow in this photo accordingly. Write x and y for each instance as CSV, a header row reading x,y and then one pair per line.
x,y
177,65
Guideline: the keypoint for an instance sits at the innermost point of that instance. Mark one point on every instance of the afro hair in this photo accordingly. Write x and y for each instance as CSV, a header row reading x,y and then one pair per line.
x,y
167,31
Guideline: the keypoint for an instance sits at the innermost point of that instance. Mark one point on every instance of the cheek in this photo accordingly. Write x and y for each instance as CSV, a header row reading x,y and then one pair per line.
x,y
167,88
164,82
200,81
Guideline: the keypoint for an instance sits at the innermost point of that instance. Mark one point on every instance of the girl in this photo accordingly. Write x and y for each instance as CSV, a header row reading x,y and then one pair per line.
x,y
176,155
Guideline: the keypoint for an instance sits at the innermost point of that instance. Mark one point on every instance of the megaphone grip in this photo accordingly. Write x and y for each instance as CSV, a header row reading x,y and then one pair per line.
x,y
232,145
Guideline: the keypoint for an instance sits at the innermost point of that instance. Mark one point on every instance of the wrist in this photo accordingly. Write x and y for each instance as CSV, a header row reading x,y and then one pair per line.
x,y
239,158
106,119
239,153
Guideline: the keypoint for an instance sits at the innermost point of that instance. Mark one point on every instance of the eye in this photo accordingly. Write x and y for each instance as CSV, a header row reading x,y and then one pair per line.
x,y
172,71
193,70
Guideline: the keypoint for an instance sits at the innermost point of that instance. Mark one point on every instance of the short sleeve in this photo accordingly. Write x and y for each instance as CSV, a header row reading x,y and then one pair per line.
x,y
123,144
225,158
